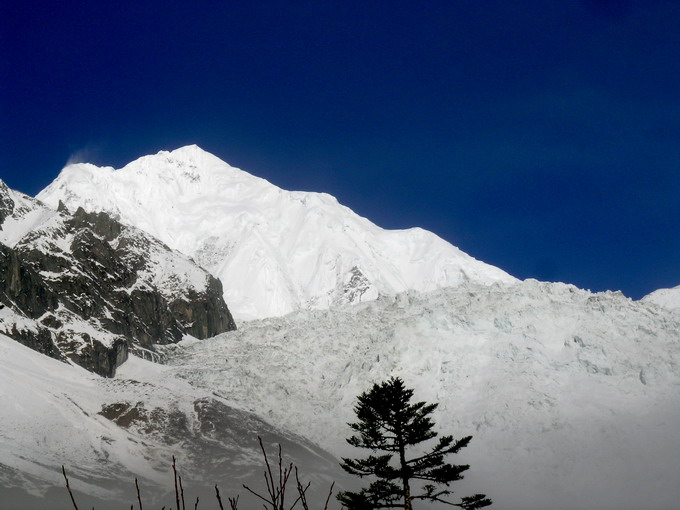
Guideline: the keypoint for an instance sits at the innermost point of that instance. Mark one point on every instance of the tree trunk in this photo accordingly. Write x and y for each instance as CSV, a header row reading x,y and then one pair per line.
x,y
406,488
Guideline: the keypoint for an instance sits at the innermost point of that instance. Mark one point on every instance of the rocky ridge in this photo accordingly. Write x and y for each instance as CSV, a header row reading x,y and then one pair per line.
x,y
83,287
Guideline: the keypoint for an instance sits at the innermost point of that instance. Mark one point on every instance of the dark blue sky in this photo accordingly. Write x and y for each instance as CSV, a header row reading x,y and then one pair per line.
x,y
539,136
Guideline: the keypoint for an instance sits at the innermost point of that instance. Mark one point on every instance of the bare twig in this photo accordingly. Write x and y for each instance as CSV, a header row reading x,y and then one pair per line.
x,y
139,498
219,499
268,476
181,491
301,490
282,485
233,503
256,494
196,505
174,470
276,490
328,499
63,470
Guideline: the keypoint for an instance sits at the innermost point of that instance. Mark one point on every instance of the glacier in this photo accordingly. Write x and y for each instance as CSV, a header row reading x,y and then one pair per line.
x,y
572,398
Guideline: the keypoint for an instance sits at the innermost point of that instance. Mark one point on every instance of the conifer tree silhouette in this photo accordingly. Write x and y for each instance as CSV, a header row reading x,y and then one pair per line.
x,y
388,422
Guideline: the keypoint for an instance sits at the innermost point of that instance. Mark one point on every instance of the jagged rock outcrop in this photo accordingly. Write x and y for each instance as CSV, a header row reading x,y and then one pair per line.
x,y
84,287
6,203
22,286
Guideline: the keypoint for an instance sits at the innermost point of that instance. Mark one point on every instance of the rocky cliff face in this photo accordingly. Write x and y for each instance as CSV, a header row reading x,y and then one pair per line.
x,y
84,287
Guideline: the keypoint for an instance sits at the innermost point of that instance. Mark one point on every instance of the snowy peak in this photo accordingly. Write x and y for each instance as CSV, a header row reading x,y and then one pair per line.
x,y
275,251
183,174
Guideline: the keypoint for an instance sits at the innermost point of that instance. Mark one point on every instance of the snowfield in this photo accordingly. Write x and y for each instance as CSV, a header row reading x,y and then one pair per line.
x,y
109,431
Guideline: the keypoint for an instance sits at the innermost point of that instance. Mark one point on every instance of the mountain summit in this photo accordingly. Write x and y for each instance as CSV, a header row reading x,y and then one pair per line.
x,y
275,251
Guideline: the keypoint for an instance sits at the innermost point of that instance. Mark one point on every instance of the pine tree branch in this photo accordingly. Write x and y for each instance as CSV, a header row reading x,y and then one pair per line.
x,y
474,502
434,496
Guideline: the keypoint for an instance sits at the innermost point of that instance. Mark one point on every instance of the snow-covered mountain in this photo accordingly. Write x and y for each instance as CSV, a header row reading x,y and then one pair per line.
x,y
275,251
107,432
83,287
573,398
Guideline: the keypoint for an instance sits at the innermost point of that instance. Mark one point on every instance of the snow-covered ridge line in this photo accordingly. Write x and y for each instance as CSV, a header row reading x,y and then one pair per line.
x,y
275,251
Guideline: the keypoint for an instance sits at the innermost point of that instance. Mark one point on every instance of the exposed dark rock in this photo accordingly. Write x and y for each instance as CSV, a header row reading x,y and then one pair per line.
x,y
94,356
6,202
22,286
84,272
40,340
169,425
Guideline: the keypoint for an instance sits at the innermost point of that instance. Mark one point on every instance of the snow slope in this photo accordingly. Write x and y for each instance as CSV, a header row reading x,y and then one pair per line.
x,y
19,215
668,298
573,398
275,251
109,431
